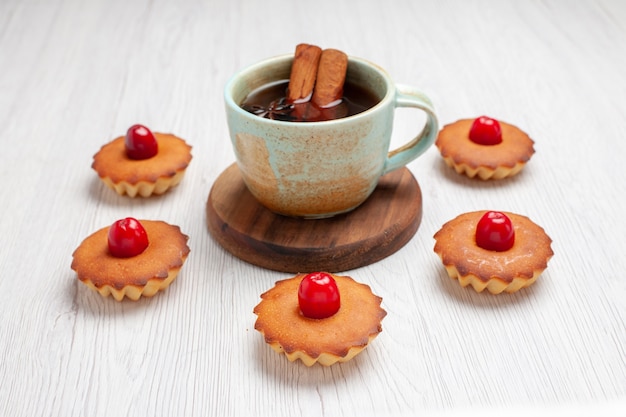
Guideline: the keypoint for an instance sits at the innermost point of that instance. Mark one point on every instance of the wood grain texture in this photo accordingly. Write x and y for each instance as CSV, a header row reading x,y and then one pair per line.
x,y
378,228
75,74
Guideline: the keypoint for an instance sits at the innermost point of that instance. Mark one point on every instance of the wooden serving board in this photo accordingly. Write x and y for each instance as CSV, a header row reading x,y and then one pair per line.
x,y
373,231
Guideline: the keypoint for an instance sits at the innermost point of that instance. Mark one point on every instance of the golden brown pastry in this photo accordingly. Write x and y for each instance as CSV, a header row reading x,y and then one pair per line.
x,y
507,270
486,161
134,276
144,177
337,338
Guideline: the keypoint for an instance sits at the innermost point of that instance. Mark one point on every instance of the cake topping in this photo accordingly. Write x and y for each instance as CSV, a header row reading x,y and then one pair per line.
x,y
127,238
485,131
140,142
495,232
318,296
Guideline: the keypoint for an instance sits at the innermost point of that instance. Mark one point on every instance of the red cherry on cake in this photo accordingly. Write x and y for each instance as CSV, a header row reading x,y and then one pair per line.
x,y
318,295
495,232
127,238
140,143
485,131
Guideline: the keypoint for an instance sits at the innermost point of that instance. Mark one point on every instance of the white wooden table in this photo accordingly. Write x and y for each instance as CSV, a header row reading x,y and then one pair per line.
x,y
74,74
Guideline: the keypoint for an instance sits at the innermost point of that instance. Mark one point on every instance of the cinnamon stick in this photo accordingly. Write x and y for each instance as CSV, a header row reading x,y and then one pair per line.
x,y
331,76
303,73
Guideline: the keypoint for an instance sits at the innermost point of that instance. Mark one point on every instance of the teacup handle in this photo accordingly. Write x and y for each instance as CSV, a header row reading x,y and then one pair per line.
x,y
409,97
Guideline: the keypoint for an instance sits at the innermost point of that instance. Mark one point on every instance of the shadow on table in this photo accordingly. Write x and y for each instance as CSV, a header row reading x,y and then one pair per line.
x,y
88,301
467,295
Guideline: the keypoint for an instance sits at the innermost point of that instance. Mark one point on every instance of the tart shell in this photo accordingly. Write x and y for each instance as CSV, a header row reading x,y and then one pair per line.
x,y
143,177
506,271
484,161
142,275
337,338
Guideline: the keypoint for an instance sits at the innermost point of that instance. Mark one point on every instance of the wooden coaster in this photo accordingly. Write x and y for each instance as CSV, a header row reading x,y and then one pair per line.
x,y
376,229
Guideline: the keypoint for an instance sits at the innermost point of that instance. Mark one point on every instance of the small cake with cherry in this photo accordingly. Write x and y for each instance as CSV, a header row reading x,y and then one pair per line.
x,y
142,162
484,147
499,251
319,317
131,258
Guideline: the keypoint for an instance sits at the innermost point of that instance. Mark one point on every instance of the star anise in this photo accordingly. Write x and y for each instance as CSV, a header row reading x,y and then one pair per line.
x,y
277,110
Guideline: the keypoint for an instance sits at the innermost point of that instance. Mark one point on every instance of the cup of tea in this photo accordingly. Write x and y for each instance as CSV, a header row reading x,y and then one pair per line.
x,y
318,169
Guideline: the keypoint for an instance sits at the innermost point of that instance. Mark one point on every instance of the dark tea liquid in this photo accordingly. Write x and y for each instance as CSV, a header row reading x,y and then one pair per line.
x,y
270,101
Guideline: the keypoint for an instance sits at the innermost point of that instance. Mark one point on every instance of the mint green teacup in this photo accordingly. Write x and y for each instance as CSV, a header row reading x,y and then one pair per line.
x,y
321,169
